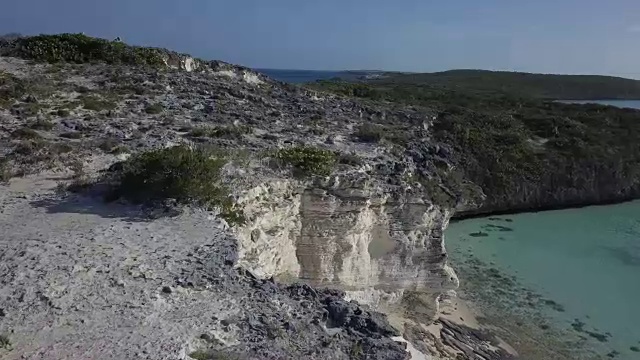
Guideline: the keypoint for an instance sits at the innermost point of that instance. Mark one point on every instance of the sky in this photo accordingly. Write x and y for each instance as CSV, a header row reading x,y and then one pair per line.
x,y
546,36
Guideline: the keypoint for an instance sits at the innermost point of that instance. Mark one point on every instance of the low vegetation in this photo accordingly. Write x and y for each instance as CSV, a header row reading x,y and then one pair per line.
x,y
541,86
188,176
5,343
524,153
11,88
41,124
370,133
212,355
71,135
227,132
95,103
5,172
308,161
32,155
79,48
25,133
113,146
154,109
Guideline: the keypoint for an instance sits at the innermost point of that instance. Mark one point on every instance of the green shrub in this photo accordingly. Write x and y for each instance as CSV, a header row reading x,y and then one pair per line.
x,y
25,133
113,146
5,343
41,124
108,144
120,149
5,173
212,355
61,148
79,48
96,104
370,133
29,148
350,159
227,132
308,160
198,132
180,173
156,108
11,88
231,132
71,135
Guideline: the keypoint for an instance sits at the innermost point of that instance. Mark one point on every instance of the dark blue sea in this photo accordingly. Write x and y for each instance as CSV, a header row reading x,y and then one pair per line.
x,y
304,76
633,104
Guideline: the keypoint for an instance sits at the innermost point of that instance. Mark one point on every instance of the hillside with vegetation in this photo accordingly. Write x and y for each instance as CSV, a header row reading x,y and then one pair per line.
x,y
525,153
542,86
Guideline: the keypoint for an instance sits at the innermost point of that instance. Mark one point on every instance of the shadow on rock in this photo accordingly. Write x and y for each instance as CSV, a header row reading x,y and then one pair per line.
x,y
69,203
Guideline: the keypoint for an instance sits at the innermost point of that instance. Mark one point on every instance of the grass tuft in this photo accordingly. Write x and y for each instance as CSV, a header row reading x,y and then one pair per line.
x,y
153,109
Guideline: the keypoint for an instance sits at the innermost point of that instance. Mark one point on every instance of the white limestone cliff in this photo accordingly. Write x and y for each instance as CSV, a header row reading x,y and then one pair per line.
x,y
375,247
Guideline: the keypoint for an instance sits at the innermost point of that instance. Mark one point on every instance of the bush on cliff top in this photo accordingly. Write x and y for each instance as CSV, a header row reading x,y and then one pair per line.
x,y
307,160
188,176
79,48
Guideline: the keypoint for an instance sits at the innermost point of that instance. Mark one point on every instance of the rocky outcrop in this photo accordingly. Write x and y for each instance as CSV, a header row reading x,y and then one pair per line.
x,y
346,239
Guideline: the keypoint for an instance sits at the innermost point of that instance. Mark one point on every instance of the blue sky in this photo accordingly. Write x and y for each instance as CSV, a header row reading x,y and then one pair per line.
x,y
550,36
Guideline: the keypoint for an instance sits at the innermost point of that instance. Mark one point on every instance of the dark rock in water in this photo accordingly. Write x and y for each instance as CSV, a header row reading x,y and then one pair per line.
x,y
598,336
578,325
479,234
500,219
613,354
634,349
491,227
554,305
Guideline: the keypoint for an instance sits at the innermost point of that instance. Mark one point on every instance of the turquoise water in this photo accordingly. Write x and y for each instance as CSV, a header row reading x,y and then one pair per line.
x,y
634,104
576,271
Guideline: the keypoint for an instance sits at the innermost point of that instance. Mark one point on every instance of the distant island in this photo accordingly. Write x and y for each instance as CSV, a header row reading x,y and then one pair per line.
x,y
542,86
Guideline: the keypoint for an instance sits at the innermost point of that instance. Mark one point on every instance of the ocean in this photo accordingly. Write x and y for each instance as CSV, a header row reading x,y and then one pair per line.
x,y
633,104
568,278
303,76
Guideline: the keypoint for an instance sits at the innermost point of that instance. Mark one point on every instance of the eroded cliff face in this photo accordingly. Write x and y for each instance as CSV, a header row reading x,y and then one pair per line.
x,y
375,246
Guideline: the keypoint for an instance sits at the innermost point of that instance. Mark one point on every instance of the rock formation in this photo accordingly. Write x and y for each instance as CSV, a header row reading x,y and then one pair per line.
x,y
83,279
